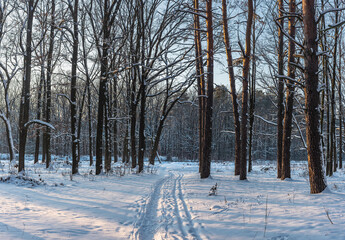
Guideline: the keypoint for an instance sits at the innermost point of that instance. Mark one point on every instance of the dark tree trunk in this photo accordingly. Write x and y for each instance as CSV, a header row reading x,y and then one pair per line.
x,y
90,123
340,111
115,137
73,104
125,156
246,67
25,96
206,165
334,76
200,81
47,133
280,114
133,121
142,79
286,169
38,116
316,175
233,93
252,96
107,152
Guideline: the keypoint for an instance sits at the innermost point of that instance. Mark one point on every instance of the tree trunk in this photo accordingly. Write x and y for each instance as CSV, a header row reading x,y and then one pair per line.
x,y
280,114
312,114
38,116
233,93
73,104
334,76
286,169
206,165
340,110
25,96
200,81
47,133
115,137
246,67
252,95
102,117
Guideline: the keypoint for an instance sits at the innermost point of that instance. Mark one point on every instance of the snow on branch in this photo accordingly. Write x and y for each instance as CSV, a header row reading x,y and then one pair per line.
x,y
329,11
37,121
290,79
265,120
288,35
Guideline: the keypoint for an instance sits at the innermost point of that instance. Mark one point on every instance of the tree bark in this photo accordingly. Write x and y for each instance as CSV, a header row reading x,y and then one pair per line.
x,y
47,133
246,67
290,92
206,164
312,114
280,113
200,81
73,104
25,96
233,93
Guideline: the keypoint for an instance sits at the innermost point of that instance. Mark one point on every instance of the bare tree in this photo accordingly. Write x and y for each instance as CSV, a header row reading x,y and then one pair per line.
x,y
312,114
246,67
25,96
236,113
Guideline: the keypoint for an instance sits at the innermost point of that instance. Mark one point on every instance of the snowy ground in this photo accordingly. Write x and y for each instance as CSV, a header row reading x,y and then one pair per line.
x,y
167,202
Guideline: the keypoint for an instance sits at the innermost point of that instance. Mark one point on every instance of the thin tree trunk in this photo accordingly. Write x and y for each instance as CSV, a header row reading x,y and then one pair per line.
x,y
125,147
246,67
47,133
102,117
142,77
233,93
312,114
290,92
90,123
280,114
38,116
73,104
340,110
206,164
201,81
252,96
334,76
25,96
115,131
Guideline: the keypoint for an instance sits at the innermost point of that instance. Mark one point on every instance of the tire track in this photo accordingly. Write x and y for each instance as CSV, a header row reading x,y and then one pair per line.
x,y
165,214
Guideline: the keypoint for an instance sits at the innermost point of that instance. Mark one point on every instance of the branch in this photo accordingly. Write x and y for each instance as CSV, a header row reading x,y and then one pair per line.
x,y
328,11
40,122
287,35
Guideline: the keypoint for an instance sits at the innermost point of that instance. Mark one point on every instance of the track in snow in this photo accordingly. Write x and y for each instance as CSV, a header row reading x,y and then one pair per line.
x,y
165,214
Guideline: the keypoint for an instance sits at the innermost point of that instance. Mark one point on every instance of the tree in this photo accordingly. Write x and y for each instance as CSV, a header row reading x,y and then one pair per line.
x,y
287,128
246,67
230,66
25,96
199,64
207,146
280,104
110,10
312,114
8,71
47,133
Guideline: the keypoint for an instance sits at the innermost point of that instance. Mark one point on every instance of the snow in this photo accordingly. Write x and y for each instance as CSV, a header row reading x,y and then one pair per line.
x,y
168,201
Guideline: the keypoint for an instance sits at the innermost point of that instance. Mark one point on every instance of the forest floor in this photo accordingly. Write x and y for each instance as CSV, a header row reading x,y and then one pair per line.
x,y
168,201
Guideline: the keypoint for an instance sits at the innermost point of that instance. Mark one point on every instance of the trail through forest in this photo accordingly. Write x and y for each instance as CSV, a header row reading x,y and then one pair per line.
x,y
168,201
164,213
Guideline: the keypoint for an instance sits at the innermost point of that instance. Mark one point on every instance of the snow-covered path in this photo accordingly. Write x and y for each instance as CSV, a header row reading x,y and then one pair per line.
x,y
170,202
165,214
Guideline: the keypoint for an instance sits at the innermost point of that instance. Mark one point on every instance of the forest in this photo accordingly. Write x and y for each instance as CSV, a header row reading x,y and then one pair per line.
x,y
112,88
